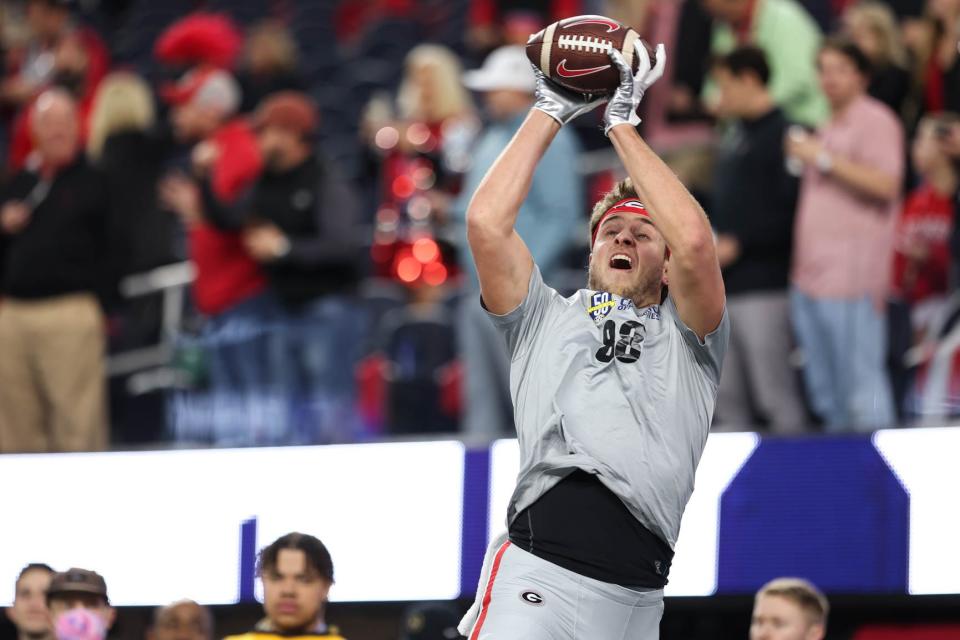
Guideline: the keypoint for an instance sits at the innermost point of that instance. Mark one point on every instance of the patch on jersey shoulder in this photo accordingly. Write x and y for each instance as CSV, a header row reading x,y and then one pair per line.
x,y
601,304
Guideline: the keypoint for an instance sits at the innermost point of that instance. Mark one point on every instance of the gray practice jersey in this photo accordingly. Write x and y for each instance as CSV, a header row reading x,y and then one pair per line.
x,y
625,393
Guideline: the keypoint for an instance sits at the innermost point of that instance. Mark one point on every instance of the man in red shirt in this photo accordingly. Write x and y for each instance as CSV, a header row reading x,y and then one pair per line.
x,y
230,287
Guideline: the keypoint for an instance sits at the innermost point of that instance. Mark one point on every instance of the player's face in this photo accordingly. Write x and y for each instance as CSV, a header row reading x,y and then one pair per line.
x,y
629,259
29,610
777,618
293,593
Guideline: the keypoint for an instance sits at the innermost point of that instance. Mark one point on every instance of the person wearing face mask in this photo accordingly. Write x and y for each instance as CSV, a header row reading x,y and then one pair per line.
x,y
29,611
79,606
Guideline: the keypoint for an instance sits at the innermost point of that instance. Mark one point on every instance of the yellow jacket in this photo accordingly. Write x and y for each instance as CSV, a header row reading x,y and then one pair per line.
x,y
331,633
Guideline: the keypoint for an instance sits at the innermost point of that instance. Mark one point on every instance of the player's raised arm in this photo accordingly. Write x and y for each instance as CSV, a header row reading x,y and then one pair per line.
x,y
504,263
696,285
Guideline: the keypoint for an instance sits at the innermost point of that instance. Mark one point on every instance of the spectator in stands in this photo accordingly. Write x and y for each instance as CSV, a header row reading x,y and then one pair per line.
x,y
60,53
437,123
230,285
489,21
921,258
788,36
842,245
181,620
872,26
934,44
52,387
29,611
270,64
421,152
754,199
949,139
303,232
297,572
80,589
123,143
789,609
554,207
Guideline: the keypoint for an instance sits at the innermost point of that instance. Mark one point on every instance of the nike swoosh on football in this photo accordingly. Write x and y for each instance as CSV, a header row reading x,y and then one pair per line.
x,y
609,24
563,72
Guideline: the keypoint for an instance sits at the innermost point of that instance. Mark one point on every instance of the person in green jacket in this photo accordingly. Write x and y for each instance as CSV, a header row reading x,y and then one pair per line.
x,y
789,37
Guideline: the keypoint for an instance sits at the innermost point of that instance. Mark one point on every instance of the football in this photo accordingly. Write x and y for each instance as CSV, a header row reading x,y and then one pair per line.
x,y
574,53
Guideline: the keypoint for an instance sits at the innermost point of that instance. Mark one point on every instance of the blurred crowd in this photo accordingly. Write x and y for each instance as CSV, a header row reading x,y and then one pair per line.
x,y
242,223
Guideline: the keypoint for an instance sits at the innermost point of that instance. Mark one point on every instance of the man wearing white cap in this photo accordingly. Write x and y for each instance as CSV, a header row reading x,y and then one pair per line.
x,y
550,213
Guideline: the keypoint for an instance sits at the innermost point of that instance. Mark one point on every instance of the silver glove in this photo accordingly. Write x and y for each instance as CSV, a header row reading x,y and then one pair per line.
x,y
559,103
622,108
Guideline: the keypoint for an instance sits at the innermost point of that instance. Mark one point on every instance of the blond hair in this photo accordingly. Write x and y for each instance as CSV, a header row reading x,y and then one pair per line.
x,y
883,24
451,98
123,103
802,593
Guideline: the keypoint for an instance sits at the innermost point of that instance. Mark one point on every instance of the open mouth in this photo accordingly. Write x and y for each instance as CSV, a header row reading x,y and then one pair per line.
x,y
621,262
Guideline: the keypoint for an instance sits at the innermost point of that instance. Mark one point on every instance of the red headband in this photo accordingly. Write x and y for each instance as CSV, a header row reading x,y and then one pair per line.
x,y
627,205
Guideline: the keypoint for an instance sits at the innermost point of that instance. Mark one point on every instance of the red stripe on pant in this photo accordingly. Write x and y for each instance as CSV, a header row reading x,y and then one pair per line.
x,y
489,591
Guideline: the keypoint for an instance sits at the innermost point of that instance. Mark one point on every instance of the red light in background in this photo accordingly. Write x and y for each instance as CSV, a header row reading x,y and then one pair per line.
x,y
418,134
425,250
387,138
403,187
408,269
435,274
424,177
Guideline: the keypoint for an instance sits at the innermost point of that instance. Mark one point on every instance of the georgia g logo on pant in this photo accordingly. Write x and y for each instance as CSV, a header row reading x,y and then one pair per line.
x,y
532,597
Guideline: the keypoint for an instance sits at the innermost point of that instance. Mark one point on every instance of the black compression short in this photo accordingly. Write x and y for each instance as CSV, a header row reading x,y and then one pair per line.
x,y
582,526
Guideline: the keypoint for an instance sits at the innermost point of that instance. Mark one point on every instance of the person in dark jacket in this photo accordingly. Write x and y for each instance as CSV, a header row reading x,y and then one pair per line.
x,y
52,338
753,205
302,230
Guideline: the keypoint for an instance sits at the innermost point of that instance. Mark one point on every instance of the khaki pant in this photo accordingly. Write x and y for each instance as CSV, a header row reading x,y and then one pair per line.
x,y
52,384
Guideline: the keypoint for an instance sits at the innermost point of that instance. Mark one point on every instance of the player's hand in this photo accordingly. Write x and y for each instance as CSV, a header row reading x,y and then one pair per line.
x,y
622,108
560,104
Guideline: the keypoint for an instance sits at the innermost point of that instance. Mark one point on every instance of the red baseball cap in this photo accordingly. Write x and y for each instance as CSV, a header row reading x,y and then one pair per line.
x,y
290,110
